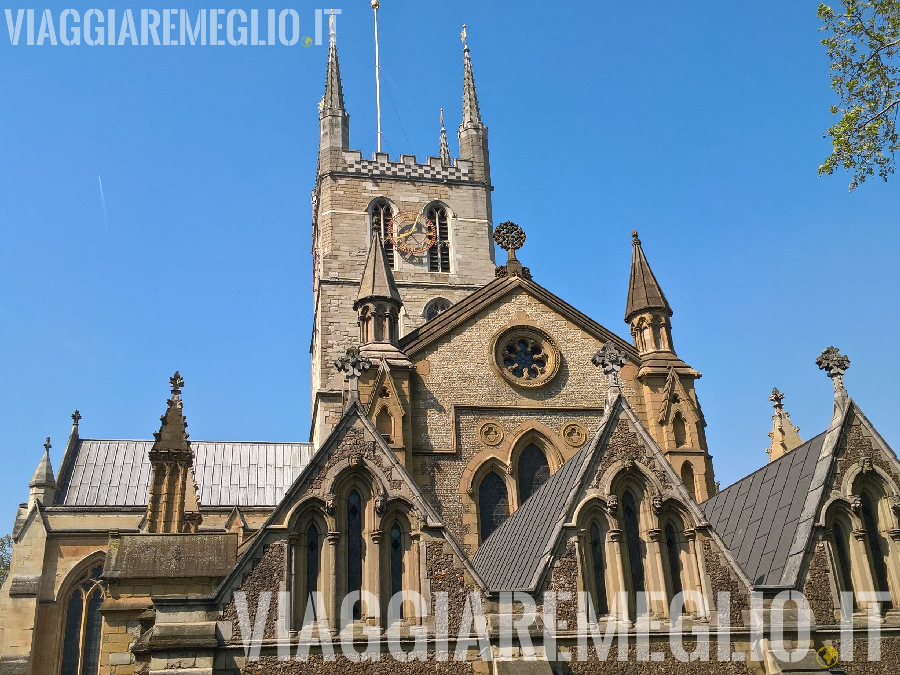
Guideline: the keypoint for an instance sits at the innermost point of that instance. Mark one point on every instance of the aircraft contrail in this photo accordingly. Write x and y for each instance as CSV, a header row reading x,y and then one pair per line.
x,y
103,204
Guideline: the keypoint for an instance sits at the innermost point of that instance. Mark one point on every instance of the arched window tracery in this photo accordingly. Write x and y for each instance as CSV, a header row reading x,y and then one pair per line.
x,y
83,626
439,254
380,213
533,471
493,504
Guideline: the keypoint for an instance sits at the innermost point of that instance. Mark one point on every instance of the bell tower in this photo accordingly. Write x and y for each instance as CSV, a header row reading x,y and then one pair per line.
x,y
433,217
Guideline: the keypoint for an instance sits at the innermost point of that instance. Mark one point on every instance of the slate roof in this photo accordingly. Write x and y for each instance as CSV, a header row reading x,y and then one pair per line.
x,y
644,291
117,472
512,556
758,517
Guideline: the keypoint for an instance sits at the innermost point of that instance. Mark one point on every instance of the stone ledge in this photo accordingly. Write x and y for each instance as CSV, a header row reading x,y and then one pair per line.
x,y
23,585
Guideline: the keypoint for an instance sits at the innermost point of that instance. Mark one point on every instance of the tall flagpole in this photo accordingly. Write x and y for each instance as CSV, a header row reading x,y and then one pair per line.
x,y
375,5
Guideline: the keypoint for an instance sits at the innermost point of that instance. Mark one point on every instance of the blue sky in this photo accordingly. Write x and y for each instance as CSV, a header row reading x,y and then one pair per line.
x,y
699,124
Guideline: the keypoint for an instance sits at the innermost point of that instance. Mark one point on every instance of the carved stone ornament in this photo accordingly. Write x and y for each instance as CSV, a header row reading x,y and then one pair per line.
x,y
356,459
509,236
611,360
865,465
491,433
656,503
833,362
629,464
352,363
329,505
380,504
612,505
574,434
855,503
895,504
525,356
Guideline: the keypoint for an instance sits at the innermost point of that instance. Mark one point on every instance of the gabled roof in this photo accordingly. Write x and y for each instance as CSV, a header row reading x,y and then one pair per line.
x,y
117,472
354,413
516,556
494,291
758,517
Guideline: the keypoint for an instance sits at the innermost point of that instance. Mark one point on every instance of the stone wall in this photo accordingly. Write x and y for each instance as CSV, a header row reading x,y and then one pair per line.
x,y
267,575
817,588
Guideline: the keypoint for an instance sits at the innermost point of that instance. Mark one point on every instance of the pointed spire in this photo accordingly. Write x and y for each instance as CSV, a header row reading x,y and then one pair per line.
x,y
172,437
43,475
644,292
785,436
471,112
445,147
333,101
377,280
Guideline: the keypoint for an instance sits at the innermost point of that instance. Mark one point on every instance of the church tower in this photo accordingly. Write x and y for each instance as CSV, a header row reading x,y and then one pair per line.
x,y
433,218
673,411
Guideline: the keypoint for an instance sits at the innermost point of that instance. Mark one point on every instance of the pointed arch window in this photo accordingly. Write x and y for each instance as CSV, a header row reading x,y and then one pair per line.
x,y
674,555
679,429
81,639
633,544
876,547
493,504
313,549
842,552
687,477
436,307
534,470
384,422
354,549
439,254
396,553
601,605
380,212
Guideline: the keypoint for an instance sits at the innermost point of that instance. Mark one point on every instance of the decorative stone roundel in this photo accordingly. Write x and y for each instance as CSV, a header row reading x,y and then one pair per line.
x,y
491,433
525,356
574,434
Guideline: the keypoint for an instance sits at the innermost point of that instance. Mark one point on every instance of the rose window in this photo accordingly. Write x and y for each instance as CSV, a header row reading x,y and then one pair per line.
x,y
525,356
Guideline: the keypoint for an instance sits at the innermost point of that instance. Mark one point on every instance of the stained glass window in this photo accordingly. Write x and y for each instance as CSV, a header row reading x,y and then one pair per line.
x,y
354,549
381,223
435,308
600,604
312,568
439,254
633,541
396,560
493,504
673,553
879,569
533,471
525,358
81,640
841,545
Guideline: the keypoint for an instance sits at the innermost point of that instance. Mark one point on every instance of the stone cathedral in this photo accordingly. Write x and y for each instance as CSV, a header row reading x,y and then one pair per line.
x,y
556,460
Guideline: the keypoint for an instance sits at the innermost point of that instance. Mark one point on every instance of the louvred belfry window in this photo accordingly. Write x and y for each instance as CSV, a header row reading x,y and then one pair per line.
x,y
81,640
439,254
382,213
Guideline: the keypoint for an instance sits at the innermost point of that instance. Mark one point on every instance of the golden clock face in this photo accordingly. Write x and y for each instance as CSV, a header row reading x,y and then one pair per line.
x,y
412,233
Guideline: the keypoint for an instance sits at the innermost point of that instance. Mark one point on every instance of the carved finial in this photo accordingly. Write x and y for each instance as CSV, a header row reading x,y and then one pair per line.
x,y
634,238
611,360
835,365
510,237
375,4
353,364
777,397
176,382
76,417
47,445
332,28
462,36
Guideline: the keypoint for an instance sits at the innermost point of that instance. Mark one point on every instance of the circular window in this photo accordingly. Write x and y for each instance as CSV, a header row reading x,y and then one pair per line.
x,y
526,356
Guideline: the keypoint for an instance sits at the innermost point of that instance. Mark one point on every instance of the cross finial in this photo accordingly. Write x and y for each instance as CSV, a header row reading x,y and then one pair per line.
x,y
835,365
777,397
510,237
611,360
176,382
47,445
76,417
353,364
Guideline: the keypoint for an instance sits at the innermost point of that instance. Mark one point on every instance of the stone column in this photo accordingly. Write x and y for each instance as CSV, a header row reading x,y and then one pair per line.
x,y
659,608
415,565
695,574
859,563
377,583
334,613
614,558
